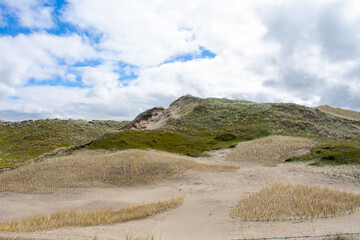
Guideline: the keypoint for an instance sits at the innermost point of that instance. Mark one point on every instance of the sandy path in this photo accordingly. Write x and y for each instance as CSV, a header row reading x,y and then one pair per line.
x,y
205,212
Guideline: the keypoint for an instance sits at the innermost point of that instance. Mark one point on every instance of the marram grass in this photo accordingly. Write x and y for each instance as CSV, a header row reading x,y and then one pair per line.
x,y
125,168
282,201
268,150
84,218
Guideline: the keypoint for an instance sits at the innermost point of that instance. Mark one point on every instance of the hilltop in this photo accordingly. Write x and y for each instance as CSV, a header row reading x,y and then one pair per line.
x,y
192,125
339,112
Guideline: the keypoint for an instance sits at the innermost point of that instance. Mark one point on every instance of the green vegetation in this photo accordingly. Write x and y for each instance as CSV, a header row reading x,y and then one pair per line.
x,y
193,126
174,142
196,125
22,141
333,153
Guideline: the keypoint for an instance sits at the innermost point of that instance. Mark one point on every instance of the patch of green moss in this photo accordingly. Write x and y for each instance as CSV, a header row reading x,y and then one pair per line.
x,y
225,137
175,142
338,153
333,153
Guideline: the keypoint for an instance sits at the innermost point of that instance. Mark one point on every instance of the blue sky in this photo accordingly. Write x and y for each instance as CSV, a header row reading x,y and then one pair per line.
x,y
112,59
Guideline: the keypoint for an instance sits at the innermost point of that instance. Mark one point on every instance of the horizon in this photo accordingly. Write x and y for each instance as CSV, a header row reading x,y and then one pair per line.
x,y
131,119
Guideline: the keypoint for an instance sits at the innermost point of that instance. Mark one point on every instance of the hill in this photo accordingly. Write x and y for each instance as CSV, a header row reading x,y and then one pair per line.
x,y
193,125
190,126
339,112
22,141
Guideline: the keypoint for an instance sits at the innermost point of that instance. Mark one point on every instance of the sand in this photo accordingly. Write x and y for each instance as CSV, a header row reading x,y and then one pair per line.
x,y
205,212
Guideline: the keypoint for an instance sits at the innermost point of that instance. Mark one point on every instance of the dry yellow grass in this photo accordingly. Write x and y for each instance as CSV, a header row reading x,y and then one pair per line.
x,y
339,112
76,218
125,168
283,201
268,150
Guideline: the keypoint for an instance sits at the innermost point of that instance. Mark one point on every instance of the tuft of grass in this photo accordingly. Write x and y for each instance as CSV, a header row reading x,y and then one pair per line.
x,y
268,150
76,218
333,153
282,201
124,168
131,237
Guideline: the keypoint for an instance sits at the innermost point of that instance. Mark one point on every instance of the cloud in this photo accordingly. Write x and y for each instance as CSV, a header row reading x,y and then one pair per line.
x,y
40,56
30,13
341,95
339,40
124,57
140,33
318,48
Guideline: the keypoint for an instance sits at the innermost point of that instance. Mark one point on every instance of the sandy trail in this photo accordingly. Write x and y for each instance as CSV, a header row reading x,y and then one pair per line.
x,y
205,212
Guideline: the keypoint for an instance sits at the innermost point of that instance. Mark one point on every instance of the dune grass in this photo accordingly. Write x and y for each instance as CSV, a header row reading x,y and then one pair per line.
x,y
76,218
268,150
283,201
339,112
124,168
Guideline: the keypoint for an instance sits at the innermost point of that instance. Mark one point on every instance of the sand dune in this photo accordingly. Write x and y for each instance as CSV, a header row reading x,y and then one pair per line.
x,y
205,213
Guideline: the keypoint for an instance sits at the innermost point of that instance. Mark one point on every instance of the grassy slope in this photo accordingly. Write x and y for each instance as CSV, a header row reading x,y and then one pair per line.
x,y
195,126
21,141
218,123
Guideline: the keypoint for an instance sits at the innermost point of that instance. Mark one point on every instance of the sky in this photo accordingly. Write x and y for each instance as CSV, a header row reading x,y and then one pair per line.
x,y
113,59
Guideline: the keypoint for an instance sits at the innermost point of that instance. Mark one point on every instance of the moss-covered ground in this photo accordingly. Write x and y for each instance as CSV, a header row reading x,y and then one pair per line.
x,y
174,142
331,152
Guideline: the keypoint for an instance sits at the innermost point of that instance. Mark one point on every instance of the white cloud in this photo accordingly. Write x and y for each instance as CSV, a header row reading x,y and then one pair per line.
x,y
31,13
141,33
289,51
40,56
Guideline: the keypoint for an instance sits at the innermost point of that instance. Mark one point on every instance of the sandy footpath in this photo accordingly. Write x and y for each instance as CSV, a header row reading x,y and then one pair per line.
x,y
205,211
